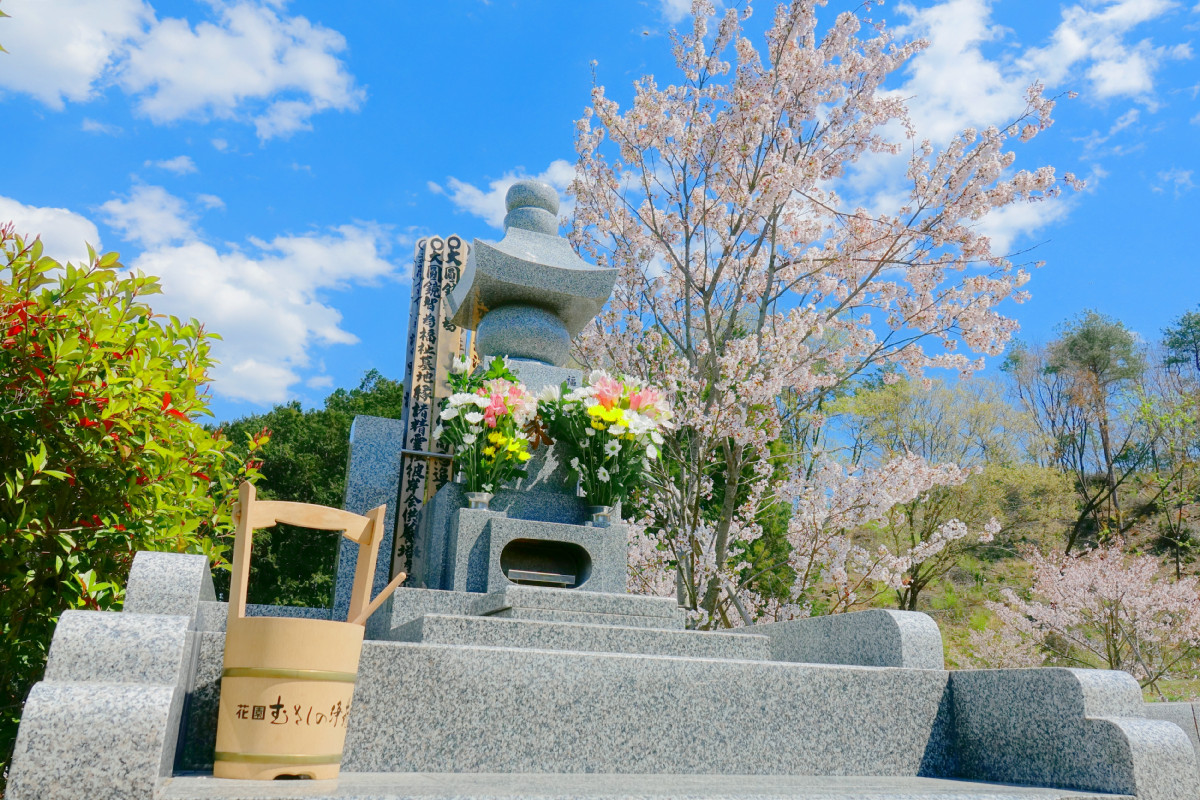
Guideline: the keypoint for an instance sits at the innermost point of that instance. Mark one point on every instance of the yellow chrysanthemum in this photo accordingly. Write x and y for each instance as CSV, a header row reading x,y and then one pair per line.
x,y
496,438
598,425
524,456
489,451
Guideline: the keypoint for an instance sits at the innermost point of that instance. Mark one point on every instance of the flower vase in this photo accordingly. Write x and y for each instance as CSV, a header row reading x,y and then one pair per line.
x,y
602,516
479,500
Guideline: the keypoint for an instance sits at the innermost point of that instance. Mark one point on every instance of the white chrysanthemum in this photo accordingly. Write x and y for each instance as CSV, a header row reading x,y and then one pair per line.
x,y
449,413
462,399
602,475
612,447
438,431
481,402
590,432
575,464
473,417
550,394
651,451
617,430
656,437
469,438
459,365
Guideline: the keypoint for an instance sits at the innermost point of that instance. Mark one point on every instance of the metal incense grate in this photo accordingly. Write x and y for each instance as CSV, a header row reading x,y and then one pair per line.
x,y
529,576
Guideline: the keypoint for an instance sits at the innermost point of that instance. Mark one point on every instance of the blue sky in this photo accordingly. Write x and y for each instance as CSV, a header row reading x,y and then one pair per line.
x,y
275,161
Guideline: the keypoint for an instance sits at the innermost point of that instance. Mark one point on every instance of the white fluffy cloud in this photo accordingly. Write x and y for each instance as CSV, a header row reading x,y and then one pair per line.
x,y
65,234
955,83
64,46
252,62
150,216
674,11
266,300
488,203
180,165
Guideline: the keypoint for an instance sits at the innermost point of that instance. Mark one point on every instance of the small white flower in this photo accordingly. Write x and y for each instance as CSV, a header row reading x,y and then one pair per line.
x,y
575,464
550,394
612,448
476,429
469,439
462,399
590,431
487,487
651,451
481,402
459,365
603,475
617,430
438,431
473,417
656,437
450,413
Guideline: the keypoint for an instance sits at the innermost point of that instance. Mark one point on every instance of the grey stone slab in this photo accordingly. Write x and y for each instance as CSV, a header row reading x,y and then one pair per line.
x,y
500,632
100,741
606,548
1064,727
198,735
168,583
874,638
372,480
491,786
591,601
212,616
441,708
554,615
409,604
1182,714
104,647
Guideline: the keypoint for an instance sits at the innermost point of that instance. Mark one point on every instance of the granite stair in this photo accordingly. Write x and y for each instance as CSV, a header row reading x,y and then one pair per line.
x,y
497,631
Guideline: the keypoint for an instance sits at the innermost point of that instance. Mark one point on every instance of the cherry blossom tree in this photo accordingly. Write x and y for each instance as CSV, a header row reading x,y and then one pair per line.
x,y
745,274
1099,608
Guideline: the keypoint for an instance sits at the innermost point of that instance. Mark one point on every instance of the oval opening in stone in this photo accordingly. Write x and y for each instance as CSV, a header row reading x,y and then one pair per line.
x,y
544,562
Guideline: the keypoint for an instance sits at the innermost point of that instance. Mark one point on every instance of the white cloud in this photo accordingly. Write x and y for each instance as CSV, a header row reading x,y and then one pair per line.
x,y
1091,39
1179,181
210,201
488,204
65,234
319,382
1008,225
674,11
220,145
64,46
281,70
266,301
151,216
180,165
252,62
94,126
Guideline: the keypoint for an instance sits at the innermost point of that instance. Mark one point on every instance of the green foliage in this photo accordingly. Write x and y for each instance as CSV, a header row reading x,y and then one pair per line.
x,y
305,462
1182,343
1098,347
99,454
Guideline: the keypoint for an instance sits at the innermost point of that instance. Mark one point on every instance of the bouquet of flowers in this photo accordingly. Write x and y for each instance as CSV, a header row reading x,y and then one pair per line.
x,y
608,430
482,423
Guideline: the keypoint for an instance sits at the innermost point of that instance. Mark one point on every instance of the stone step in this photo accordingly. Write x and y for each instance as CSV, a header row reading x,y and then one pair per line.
x,y
591,602
588,618
453,708
475,786
495,631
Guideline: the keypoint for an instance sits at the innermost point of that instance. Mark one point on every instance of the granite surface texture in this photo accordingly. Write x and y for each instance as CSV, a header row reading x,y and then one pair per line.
x,y
1182,714
532,266
522,331
1064,727
477,786
105,721
544,711
372,480
198,735
167,583
590,601
589,617
409,604
500,632
94,740
874,638
103,647
606,548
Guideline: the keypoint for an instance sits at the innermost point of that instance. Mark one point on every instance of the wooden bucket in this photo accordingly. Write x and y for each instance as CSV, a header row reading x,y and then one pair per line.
x,y
286,693
288,683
